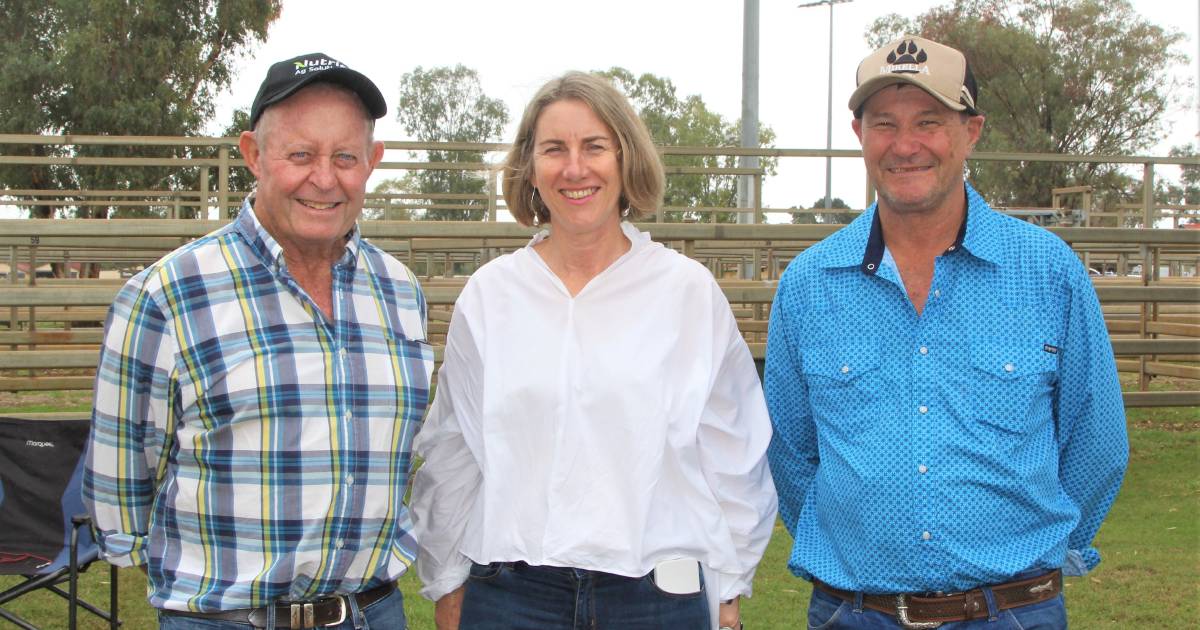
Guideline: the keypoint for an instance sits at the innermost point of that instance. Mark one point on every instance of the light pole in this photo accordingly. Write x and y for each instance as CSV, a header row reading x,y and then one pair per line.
x,y
829,102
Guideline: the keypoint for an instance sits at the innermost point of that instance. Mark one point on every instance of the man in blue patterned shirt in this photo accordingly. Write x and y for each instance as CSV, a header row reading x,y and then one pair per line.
x,y
259,388
949,429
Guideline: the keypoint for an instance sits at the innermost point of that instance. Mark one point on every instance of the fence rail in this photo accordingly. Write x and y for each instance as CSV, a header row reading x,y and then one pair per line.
x,y
196,154
1154,321
1152,307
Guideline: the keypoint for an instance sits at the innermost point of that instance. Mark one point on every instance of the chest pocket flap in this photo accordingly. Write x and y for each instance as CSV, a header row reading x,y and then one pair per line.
x,y
843,363
1012,360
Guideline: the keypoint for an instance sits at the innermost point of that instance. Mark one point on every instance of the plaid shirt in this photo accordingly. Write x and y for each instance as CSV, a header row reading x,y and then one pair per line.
x,y
244,446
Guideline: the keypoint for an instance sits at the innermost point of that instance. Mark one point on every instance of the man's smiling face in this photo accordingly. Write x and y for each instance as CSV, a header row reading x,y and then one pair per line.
x,y
312,155
914,148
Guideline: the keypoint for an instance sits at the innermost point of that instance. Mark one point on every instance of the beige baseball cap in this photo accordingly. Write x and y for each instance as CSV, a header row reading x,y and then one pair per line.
x,y
940,70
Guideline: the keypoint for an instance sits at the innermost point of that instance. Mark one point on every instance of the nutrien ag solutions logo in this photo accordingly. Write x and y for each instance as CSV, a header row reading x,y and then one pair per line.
x,y
906,58
316,65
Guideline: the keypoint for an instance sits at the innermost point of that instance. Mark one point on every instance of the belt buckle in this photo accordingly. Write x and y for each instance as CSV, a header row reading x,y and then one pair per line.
x,y
902,616
304,615
341,600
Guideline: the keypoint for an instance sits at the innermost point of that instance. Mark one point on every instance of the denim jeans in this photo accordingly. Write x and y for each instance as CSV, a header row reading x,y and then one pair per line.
x,y
517,596
385,614
826,612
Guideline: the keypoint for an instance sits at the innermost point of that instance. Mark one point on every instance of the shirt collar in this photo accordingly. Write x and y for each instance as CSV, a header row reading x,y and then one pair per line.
x,y
265,245
975,235
981,233
637,238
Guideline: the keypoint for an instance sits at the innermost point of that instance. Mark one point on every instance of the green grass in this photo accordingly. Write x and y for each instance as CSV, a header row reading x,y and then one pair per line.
x,y
44,402
1150,577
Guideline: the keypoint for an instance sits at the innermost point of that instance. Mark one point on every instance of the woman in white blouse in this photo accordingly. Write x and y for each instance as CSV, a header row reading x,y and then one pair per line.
x,y
594,456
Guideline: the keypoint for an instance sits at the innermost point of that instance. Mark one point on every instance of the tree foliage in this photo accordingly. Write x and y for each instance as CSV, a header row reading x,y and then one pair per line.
x,y
445,104
687,121
837,203
1187,189
119,67
1055,76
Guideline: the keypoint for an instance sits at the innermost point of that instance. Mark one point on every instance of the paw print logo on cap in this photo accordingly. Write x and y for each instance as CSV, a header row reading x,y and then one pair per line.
x,y
906,53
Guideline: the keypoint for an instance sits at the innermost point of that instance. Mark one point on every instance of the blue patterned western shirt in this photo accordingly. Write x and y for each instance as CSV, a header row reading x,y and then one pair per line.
x,y
952,449
244,446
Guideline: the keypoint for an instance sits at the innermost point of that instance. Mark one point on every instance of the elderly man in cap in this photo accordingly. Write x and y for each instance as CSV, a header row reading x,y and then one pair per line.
x,y
258,388
949,429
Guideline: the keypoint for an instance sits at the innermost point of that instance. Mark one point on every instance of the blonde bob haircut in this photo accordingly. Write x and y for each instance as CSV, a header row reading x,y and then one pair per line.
x,y
641,169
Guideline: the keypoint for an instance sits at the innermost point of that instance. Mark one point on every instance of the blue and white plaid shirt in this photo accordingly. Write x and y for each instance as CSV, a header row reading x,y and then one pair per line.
x,y
244,446
952,449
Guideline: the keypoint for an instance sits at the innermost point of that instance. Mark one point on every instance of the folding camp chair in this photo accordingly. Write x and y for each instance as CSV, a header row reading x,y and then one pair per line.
x,y
44,530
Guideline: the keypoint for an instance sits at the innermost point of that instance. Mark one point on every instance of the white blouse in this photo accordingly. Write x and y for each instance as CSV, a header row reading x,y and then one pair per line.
x,y
607,431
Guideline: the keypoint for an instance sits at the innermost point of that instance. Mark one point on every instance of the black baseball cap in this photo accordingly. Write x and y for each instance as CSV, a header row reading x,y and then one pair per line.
x,y
286,77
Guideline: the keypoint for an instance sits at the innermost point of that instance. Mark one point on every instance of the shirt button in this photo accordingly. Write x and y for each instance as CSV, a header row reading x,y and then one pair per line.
x,y
923,409
922,469
343,353
1008,367
937,293
350,480
346,416
341,542
924,350
926,535
845,369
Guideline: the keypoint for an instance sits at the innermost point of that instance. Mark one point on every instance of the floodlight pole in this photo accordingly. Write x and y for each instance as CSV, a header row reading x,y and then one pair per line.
x,y
829,102
749,128
749,131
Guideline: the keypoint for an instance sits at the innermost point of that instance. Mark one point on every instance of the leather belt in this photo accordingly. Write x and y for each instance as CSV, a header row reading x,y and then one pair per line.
x,y
317,613
932,610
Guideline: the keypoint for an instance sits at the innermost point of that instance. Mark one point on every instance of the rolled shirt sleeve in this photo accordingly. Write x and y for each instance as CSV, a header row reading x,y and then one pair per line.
x,y
131,418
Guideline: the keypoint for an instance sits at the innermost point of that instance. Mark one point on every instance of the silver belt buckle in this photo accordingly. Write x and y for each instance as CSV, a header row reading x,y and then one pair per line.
x,y
341,609
902,616
304,615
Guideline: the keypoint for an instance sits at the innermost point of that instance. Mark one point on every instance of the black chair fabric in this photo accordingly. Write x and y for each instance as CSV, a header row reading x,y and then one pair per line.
x,y
41,468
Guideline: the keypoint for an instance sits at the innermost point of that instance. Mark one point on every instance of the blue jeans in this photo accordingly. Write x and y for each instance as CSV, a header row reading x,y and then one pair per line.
x,y
385,614
827,612
517,596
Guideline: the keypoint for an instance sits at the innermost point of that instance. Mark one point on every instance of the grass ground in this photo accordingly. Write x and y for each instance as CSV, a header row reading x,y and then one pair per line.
x,y
1150,576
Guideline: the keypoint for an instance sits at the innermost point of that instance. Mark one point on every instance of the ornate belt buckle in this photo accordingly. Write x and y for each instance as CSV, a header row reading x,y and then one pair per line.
x,y
902,616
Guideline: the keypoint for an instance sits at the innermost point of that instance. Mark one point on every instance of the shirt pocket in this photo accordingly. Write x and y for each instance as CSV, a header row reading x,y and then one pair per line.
x,y
844,384
414,358
1016,384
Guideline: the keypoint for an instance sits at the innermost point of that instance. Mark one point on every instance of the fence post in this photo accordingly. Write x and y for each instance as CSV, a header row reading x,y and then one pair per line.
x,y
223,182
13,316
1143,377
33,247
758,211
67,274
492,174
1147,195
202,209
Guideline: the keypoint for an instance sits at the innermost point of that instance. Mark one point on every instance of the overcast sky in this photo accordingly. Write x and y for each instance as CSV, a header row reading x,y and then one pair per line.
x,y
516,46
